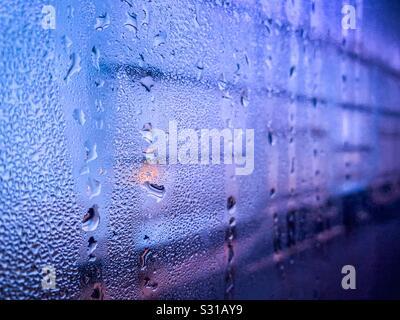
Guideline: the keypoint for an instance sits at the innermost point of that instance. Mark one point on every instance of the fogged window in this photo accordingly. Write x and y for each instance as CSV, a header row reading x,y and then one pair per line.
x,y
91,209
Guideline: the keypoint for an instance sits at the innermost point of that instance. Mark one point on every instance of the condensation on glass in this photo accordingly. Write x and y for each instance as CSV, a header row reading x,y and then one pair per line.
x,y
84,84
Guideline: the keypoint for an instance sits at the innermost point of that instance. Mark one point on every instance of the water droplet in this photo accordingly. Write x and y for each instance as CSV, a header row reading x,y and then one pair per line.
x,y
148,284
232,222
291,228
222,83
197,16
147,127
75,66
160,38
70,11
99,105
200,65
314,102
35,156
92,245
292,71
98,292
102,22
99,122
292,166
91,219
131,22
35,248
99,83
147,82
150,154
91,151
144,258
6,175
79,116
94,188
147,133
271,139
155,191
96,57
67,42
230,205
146,18
244,97
84,170
267,26
268,62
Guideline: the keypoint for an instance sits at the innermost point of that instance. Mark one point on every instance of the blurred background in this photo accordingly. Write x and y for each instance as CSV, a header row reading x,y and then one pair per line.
x,y
84,214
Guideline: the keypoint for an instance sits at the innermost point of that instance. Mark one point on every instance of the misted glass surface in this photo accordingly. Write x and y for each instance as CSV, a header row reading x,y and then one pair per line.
x,y
86,87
